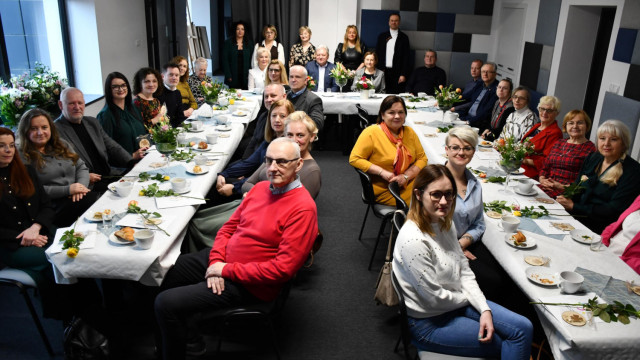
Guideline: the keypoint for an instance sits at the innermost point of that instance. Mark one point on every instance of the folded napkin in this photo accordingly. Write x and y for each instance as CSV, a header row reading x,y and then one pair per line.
x,y
89,231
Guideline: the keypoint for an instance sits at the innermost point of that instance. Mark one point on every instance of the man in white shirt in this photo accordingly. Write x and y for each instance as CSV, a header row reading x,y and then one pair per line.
x,y
394,55
320,70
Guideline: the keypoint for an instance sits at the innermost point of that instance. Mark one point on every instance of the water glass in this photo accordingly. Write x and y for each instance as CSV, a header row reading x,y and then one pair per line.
x,y
107,220
596,243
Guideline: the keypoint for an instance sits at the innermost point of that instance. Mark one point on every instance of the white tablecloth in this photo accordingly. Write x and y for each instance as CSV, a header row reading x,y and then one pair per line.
x,y
613,340
107,260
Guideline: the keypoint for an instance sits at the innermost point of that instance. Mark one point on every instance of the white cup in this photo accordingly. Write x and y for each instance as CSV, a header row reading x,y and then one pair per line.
x,y
422,94
509,223
525,186
212,138
451,116
222,119
196,125
570,282
200,160
223,101
123,188
179,184
233,108
144,238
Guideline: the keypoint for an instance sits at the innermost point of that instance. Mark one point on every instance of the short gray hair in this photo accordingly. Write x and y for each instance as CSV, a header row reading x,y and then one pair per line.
x,y
200,61
464,133
304,70
262,50
322,46
492,64
295,145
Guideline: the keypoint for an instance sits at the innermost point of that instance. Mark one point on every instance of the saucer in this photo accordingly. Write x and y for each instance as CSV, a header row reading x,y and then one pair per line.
x,y
530,193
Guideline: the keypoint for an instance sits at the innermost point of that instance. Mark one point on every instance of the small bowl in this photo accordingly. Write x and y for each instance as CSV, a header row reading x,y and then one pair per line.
x,y
144,238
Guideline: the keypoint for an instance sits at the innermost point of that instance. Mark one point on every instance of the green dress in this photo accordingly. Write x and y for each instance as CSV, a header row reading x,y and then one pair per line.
x,y
127,130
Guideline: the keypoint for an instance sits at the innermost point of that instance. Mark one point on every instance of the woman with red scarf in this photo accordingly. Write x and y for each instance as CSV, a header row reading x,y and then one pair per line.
x,y
389,152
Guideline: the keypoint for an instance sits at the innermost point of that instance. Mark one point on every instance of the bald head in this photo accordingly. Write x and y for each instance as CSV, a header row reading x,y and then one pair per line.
x,y
71,104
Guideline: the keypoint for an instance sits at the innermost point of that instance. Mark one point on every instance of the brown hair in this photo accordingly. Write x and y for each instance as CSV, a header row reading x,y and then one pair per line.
x,y
417,212
269,133
387,103
375,56
572,114
272,28
284,79
345,44
176,60
54,146
20,181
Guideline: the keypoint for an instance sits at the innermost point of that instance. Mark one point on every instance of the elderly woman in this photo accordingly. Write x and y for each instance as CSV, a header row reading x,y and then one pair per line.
x,y
447,311
199,75
389,152
351,51
188,100
610,179
566,157
119,118
64,175
236,57
275,49
543,135
501,111
258,74
145,85
623,236
522,119
277,74
304,51
370,72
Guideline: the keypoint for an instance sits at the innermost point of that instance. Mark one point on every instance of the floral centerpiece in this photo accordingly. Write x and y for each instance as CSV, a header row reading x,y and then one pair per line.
x,y
163,132
446,96
310,83
513,152
40,89
341,75
364,83
211,91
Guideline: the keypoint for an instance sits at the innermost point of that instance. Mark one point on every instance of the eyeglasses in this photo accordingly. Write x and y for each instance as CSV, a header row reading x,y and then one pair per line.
x,y
518,97
120,87
274,70
437,195
281,163
456,148
546,110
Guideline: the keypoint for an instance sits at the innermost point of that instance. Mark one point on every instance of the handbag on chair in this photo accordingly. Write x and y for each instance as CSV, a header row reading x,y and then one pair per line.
x,y
385,293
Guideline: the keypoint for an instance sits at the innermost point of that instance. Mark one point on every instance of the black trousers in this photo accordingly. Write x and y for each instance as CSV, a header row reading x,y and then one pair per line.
x,y
185,296
391,77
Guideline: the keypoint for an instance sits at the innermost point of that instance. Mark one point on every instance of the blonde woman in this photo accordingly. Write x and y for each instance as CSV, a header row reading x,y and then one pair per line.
x,y
258,74
304,51
275,49
277,74
351,51
610,178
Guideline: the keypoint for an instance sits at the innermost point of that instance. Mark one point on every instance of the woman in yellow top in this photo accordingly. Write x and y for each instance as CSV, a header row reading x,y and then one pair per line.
x,y
188,100
389,152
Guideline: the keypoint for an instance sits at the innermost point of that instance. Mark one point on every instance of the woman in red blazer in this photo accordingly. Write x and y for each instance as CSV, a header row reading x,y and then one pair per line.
x,y
543,135
623,236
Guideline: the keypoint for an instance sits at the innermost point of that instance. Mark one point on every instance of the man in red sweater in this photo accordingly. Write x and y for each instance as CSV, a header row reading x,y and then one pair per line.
x,y
264,243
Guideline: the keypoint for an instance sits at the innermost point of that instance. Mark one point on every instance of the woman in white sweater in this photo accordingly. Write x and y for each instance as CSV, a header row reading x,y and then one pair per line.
x,y
522,120
447,311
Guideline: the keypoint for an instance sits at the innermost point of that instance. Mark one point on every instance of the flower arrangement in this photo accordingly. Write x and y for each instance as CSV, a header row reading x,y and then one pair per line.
x,y
40,89
446,96
211,90
311,84
364,84
71,241
575,189
341,74
512,152
163,132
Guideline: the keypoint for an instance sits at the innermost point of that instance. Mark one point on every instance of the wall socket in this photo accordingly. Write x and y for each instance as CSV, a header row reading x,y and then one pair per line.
x,y
614,88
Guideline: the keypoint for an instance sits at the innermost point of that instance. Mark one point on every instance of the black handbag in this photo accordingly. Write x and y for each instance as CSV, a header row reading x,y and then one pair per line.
x,y
83,342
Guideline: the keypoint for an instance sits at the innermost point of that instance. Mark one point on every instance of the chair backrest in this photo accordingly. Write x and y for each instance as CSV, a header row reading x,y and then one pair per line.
x,y
363,115
399,217
394,189
367,188
404,325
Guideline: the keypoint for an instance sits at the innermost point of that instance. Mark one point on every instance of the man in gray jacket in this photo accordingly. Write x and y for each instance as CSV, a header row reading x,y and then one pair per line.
x,y
98,151
303,99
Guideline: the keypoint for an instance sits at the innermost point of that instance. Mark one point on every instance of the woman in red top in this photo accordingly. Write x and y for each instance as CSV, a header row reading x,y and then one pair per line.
x,y
543,135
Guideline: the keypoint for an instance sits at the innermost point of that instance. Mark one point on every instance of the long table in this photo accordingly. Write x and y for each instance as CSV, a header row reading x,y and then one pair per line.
x,y
597,341
105,259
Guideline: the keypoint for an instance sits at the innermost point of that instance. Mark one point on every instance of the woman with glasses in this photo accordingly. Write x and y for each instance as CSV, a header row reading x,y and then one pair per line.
x,y
447,311
277,74
119,118
389,152
543,135
236,57
304,51
275,49
258,74
522,119
199,75
562,165
502,108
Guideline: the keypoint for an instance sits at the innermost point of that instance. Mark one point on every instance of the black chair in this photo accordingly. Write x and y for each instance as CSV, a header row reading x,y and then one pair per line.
x,y
22,281
383,212
364,117
405,335
394,189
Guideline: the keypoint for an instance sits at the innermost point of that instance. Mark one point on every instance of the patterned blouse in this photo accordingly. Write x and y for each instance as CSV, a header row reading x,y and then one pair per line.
x,y
564,162
148,108
519,123
194,83
299,57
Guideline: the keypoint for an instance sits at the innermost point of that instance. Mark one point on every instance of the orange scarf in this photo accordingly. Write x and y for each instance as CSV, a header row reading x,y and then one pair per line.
x,y
402,160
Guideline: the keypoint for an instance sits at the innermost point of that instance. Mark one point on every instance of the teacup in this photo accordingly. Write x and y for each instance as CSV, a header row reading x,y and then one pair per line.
x,y
222,119
212,138
509,223
123,188
200,160
196,125
422,94
223,101
233,108
525,186
450,116
570,282
144,238
179,184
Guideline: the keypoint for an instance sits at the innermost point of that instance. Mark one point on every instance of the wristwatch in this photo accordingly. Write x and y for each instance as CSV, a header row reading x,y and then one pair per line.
x,y
406,177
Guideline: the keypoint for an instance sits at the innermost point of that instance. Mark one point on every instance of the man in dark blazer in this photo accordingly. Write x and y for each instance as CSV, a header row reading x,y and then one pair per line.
x,y
394,56
303,99
320,64
483,97
97,149
170,96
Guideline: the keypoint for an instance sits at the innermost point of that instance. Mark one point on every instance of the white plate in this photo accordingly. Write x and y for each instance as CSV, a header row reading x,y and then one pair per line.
x,y
184,191
519,172
577,235
530,243
327,94
536,274
195,148
223,128
195,131
536,260
117,241
405,95
204,170
239,113
89,216
459,122
531,193
485,145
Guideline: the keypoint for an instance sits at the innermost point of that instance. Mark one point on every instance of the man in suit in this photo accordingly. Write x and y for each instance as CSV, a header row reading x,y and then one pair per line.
x,y
97,149
301,98
170,95
320,70
483,97
428,77
476,65
394,54
272,93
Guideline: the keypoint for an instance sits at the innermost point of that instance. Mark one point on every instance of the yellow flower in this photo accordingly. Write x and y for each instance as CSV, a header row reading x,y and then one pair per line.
x,y
244,98
72,252
232,101
166,178
141,193
458,90
438,130
460,97
517,213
